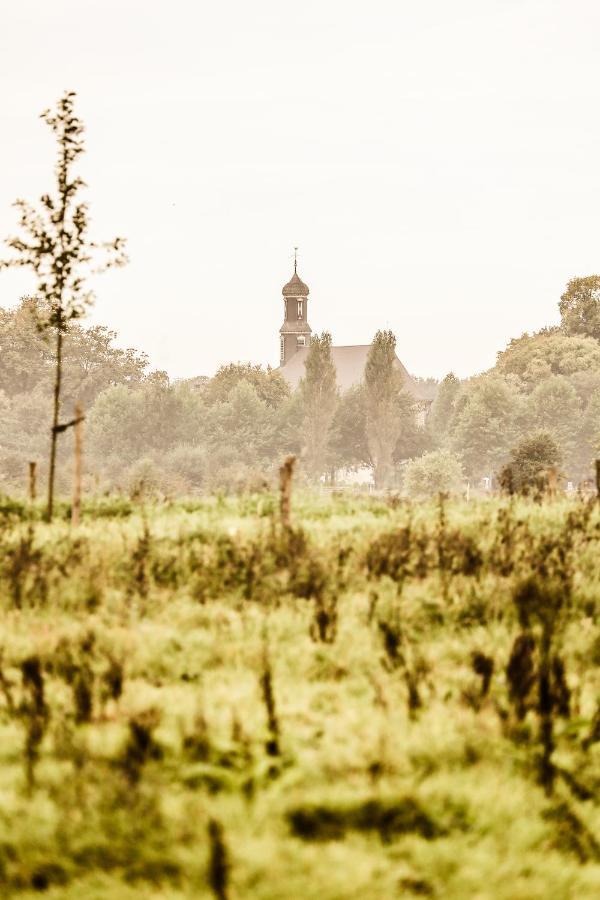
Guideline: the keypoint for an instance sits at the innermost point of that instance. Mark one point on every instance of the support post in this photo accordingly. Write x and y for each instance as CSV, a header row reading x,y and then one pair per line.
x,y
76,507
32,481
285,488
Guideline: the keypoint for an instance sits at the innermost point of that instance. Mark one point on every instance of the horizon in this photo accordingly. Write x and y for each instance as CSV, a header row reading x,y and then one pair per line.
x,y
436,166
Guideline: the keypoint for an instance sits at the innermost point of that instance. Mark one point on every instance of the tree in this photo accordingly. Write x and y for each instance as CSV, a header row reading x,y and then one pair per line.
x,y
21,438
56,247
348,441
588,441
349,430
270,385
413,439
382,385
490,415
442,408
242,428
529,462
155,416
91,362
188,463
580,307
319,396
25,360
548,352
555,409
437,472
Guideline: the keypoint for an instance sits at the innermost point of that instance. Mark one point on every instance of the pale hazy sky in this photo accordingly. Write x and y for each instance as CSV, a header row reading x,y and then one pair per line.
x,y
438,164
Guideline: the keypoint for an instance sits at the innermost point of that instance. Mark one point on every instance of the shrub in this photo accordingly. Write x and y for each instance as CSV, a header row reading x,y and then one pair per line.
x,y
188,463
438,472
530,463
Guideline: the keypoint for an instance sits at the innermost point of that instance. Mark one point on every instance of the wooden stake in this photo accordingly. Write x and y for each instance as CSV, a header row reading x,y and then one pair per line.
x,y
285,486
78,426
32,481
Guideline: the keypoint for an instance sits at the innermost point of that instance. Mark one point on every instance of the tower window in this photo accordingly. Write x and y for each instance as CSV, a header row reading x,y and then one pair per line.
x,y
300,308
281,349
301,340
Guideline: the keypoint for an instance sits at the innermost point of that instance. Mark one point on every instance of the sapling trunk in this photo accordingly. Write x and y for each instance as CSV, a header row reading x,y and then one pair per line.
x,y
55,417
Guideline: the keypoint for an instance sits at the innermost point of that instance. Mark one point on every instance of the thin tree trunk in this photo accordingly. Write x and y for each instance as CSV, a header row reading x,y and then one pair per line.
x,y
63,172
55,416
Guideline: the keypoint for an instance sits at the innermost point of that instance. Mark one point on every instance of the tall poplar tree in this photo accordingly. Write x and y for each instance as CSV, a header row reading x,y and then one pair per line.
x,y
383,384
319,395
56,247
442,409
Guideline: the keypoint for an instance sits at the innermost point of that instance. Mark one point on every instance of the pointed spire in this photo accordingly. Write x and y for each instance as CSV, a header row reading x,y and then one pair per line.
x,y
295,260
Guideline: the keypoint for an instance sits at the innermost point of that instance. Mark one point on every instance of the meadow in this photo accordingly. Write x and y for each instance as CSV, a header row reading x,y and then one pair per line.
x,y
372,699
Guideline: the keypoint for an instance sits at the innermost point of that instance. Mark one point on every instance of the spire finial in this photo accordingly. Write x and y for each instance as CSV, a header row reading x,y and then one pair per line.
x,y
295,259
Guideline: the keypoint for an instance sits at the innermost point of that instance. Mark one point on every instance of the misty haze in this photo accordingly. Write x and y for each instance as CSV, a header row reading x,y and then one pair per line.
x,y
300,450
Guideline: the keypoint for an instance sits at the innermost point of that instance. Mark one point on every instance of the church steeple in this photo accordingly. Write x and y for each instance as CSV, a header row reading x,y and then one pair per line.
x,y
295,332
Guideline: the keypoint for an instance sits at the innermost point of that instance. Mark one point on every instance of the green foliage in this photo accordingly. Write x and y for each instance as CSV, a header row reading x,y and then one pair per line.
x,y
244,425
560,377
442,409
590,431
91,362
580,307
489,415
154,416
270,386
382,385
530,463
438,472
319,398
555,408
549,352
348,441
413,439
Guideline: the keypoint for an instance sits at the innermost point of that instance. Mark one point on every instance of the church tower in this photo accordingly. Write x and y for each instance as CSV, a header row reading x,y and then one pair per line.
x,y
295,332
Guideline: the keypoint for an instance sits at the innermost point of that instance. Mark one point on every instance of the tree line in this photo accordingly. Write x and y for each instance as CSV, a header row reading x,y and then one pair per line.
x,y
216,433
232,430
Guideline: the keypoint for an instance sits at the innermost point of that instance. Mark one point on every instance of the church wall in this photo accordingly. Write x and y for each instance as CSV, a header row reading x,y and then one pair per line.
x,y
291,344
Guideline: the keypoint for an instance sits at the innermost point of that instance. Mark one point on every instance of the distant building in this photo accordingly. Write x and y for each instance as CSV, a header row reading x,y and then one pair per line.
x,y
294,341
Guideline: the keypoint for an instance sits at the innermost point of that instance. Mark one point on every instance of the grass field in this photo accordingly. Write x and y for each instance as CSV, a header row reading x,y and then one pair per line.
x,y
382,700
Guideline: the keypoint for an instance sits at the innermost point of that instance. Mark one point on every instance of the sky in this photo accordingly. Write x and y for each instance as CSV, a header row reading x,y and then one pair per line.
x,y
437,164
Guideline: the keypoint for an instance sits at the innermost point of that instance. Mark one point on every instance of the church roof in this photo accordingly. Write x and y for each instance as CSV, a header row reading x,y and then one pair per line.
x,y
295,287
350,367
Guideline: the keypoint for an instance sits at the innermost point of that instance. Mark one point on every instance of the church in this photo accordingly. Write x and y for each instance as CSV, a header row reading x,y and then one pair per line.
x,y
294,341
